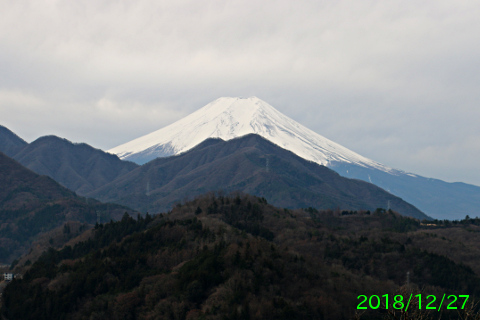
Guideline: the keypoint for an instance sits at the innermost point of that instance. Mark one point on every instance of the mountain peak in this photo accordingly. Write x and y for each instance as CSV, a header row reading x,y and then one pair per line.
x,y
10,143
243,108
231,117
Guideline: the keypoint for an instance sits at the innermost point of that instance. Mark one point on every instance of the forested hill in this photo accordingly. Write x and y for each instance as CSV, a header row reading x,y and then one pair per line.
x,y
31,204
252,165
77,166
237,257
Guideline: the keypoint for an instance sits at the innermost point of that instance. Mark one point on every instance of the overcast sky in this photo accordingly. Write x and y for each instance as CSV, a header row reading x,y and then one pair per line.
x,y
396,81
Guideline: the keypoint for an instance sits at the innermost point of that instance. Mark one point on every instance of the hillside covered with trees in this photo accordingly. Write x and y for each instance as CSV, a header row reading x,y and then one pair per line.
x,y
31,205
237,257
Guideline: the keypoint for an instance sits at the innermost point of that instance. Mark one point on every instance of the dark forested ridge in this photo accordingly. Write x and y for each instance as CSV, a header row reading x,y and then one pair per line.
x,y
31,204
216,256
250,164
77,166
237,257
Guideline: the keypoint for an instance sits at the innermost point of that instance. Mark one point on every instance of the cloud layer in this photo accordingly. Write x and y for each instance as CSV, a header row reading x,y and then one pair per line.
x,y
395,81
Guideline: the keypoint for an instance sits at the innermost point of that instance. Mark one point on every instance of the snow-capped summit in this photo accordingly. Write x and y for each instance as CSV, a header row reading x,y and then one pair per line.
x,y
228,118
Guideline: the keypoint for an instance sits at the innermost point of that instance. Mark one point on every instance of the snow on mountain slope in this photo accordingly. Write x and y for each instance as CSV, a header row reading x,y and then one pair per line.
x,y
228,118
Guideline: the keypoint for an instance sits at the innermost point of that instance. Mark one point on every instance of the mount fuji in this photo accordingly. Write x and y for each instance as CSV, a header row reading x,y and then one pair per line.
x,y
227,118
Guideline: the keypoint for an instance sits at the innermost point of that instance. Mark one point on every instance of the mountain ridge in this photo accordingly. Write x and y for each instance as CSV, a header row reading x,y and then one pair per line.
x,y
77,166
10,143
228,118
250,164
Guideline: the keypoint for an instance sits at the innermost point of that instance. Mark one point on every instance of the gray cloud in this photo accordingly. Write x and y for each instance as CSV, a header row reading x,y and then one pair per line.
x,y
395,81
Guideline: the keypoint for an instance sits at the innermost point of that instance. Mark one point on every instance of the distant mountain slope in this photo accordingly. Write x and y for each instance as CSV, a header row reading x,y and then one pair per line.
x,y
444,200
79,167
31,204
10,143
250,164
228,118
